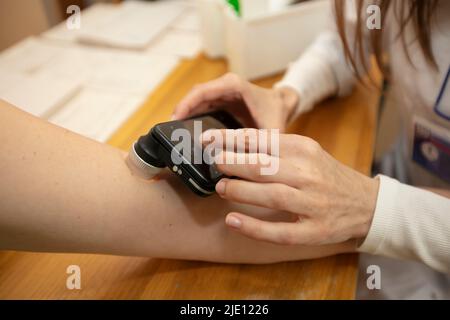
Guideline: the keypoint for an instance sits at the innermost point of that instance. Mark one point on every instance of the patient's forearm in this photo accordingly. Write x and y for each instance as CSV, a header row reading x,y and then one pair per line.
x,y
63,192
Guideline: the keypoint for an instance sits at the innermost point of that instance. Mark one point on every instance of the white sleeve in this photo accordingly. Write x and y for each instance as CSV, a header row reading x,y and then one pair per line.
x,y
322,70
410,223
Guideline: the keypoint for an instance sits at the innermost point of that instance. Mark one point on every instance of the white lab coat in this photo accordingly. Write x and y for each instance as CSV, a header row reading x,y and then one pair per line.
x,y
409,223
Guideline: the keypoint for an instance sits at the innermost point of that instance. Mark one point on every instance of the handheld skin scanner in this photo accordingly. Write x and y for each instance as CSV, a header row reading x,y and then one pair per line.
x,y
154,152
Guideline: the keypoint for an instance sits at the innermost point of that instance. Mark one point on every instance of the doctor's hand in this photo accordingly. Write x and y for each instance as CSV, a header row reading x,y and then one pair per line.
x,y
254,106
329,202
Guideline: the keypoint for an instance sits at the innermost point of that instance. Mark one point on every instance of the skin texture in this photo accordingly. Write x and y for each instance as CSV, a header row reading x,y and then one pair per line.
x,y
61,192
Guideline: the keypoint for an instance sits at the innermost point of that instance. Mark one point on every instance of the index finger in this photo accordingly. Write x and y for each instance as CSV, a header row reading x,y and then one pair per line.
x,y
250,140
201,97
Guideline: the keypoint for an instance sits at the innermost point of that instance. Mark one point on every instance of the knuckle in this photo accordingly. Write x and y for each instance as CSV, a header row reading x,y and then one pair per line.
x,y
254,171
230,76
301,178
302,143
312,146
197,88
294,138
280,197
324,232
305,177
255,230
295,142
233,79
198,91
288,237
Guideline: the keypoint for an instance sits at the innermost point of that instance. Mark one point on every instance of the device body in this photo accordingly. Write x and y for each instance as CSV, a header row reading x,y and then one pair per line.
x,y
160,148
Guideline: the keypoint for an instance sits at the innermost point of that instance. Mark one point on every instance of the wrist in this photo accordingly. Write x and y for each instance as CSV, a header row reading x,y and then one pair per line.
x,y
289,100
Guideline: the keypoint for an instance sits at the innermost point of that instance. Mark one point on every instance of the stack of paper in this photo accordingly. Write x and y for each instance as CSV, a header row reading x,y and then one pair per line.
x,y
119,71
132,25
86,89
181,43
182,38
189,20
97,113
92,90
92,18
115,84
28,55
164,27
22,83
37,94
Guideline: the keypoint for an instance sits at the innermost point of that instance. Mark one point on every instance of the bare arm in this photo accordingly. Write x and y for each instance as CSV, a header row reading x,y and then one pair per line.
x,y
62,192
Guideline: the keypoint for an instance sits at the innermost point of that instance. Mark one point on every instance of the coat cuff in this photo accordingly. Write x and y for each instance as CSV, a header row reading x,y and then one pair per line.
x,y
386,208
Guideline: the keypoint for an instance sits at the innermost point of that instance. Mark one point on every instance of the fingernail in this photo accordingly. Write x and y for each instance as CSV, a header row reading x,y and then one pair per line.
x,y
220,186
173,117
233,221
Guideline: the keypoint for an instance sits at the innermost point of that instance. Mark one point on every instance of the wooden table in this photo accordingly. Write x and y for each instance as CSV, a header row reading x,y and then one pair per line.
x,y
344,127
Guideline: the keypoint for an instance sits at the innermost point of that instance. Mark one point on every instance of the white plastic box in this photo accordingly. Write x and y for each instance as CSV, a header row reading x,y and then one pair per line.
x,y
266,44
212,27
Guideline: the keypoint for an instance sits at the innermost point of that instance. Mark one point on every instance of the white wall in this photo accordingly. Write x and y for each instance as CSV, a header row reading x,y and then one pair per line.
x,y
21,18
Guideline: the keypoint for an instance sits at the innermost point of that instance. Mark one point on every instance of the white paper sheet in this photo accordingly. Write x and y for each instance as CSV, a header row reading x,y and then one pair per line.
x,y
37,94
90,89
128,72
28,55
133,25
96,113
115,83
181,43
52,81
189,20
92,17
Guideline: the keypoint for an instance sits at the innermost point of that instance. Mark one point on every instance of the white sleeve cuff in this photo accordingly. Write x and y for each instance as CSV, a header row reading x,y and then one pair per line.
x,y
385,208
312,79
410,223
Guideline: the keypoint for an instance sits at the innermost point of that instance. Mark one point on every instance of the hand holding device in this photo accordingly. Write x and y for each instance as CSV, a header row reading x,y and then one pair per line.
x,y
254,106
176,145
329,202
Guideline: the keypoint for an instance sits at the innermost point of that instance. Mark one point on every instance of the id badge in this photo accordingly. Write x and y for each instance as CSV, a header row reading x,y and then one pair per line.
x,y
431,147
442,105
